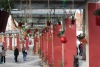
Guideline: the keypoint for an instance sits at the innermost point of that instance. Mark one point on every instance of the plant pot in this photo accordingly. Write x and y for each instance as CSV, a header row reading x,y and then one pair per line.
x,y
98,20
72,22
59,23
48,23
28,31
84,41
20,24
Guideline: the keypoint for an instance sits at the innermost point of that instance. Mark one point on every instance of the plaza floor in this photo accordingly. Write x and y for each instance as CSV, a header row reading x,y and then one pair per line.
x,y
32,60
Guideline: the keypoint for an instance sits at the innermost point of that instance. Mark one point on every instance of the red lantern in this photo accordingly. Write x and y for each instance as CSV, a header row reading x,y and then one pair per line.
x,y
28,31
63,39
36,30
20,24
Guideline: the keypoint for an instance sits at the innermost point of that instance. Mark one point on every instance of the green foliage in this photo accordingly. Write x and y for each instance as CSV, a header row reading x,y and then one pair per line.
x,y
81,36
61,63
97,12
5,4
39,51
60,33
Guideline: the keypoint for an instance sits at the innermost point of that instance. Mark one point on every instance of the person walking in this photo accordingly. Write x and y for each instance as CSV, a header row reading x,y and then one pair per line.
x,y
3,54
24,51
81,49
16,53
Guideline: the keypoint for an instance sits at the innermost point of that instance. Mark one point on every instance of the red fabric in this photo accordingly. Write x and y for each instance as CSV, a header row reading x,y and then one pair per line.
x,y
10,43
70,46
57,47
94,36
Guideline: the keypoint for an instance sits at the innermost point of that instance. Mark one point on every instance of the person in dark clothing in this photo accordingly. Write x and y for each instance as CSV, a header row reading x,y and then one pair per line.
x,y
16,53
80,49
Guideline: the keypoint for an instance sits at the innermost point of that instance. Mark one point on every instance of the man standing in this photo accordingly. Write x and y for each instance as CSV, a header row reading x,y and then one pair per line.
x,y
16,53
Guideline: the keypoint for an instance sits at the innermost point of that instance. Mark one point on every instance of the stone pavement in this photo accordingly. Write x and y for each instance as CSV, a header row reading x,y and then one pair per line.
x,y
32,60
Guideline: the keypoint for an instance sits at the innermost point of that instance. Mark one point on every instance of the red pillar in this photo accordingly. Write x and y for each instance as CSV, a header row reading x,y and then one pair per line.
x,y
70,46
50,59
27,43
35,45
10,43
93,35
5,42
45,46
18,42
57,47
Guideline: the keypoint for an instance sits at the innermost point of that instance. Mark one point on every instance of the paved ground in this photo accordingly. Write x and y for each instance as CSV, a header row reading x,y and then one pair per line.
x,y
82,63
32,60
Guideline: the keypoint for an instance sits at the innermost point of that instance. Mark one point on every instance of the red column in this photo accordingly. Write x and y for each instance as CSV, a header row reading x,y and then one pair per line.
x,y
49,47
10,43
57,47
35,45
70,46
18,41
5,42
45,45
27,43
93,36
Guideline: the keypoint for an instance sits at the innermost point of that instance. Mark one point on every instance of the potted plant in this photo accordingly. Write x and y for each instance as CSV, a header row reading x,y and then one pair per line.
x,y
58,20
61,63
81,38
72,20
5,5
97,14
48,20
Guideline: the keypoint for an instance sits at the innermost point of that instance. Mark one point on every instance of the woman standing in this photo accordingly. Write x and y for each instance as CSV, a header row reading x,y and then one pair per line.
x,y
24,51
3,54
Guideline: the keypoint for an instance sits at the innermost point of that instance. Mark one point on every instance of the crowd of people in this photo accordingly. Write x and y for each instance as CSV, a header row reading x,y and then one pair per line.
x,y
16,54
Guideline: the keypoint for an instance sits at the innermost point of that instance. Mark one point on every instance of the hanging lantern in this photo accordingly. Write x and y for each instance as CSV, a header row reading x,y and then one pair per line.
x,y
63,39
36,30
28,31
20,24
